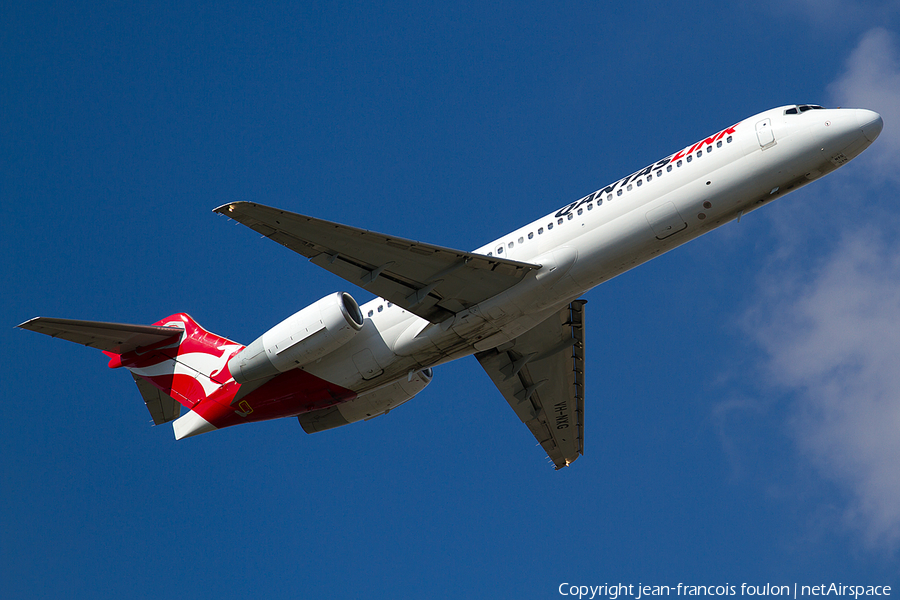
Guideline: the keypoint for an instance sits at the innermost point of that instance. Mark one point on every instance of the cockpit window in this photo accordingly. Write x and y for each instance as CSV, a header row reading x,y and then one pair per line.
x,y
801,109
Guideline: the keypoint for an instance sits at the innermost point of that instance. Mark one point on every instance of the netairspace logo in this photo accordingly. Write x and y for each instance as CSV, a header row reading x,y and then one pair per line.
x,y
795,591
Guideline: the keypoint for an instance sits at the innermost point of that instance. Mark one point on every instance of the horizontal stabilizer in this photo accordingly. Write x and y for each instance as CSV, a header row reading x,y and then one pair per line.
x,y
117,338
163,408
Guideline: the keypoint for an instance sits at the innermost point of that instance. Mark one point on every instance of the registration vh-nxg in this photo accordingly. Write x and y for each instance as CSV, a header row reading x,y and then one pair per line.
x,y
513,303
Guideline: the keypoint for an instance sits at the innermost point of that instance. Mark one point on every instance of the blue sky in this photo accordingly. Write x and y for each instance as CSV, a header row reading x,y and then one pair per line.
x,y
742,407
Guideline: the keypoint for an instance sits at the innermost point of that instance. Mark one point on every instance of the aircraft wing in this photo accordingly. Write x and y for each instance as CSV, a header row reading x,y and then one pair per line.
x,y
117,338
429,281
542,377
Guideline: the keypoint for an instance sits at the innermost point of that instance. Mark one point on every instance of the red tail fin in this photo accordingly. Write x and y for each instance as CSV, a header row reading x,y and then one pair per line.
x,y
189,368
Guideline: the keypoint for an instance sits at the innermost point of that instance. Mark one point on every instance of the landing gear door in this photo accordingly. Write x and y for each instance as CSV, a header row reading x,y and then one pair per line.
x,y
665,220
765,134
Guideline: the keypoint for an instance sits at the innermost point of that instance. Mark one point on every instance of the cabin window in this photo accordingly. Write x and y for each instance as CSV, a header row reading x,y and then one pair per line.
x,y
591,206
630,187
511,244
380,308
580,211
728,139
500,250
640,182
549,226
619,193
530,235
690,157
570,216
559,221
699,153
609,198
708,149
649,178
521,240
719,144
678,164
371,312
540,230
659,173
669,169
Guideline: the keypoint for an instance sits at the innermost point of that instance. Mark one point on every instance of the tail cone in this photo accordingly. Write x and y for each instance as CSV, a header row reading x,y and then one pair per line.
x,y
191,424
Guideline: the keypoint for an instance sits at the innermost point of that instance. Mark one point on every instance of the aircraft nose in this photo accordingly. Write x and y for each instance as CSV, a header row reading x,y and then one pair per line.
x,y
870,122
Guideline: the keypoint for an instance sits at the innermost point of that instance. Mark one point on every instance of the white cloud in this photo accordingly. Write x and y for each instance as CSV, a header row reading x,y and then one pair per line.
x,y
872,80
838,345
838,15
831,335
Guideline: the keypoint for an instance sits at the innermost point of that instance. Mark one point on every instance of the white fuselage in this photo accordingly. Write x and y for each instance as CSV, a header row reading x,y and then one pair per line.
x,y
611,231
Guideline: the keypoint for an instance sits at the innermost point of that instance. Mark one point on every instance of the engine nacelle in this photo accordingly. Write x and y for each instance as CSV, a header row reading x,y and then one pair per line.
x,y
368,405
308,335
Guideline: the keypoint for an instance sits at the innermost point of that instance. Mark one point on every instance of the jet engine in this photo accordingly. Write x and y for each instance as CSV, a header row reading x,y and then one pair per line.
x,y
308,335
368,405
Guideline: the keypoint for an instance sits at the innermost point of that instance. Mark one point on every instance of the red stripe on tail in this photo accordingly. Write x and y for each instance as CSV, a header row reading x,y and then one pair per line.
x,y
189,369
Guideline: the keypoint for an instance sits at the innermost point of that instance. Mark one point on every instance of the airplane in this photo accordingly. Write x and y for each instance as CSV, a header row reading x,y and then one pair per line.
x,y
514,303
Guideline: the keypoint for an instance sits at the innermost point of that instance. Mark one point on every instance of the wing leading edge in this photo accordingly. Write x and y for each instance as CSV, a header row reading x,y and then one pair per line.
x,y
541,375
429,281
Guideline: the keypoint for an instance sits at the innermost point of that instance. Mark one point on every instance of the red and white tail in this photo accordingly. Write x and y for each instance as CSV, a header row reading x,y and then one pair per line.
x,y
174,362
188,368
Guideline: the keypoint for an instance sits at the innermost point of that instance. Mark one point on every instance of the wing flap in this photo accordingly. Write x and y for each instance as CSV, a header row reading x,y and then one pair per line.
x,y
117,338
430,281
541,375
